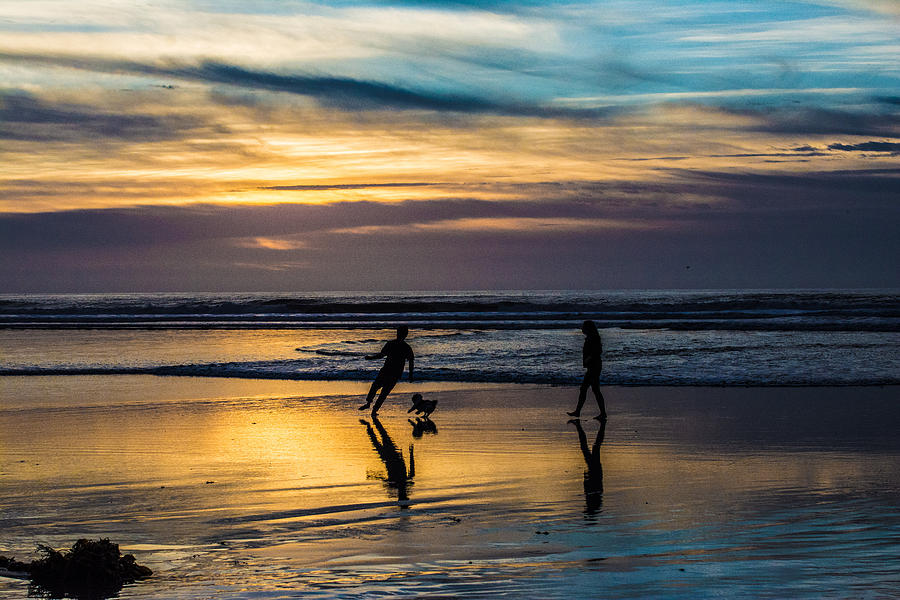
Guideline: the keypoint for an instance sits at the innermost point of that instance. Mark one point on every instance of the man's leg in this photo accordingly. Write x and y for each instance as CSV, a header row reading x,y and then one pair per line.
x,y
374,388
386,388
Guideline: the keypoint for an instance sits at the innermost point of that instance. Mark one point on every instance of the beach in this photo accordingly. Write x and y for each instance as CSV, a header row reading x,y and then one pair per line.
x,y
249,488
230,231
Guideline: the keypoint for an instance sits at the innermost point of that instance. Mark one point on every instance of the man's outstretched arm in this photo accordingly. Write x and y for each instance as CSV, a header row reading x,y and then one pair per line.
x,y
381,354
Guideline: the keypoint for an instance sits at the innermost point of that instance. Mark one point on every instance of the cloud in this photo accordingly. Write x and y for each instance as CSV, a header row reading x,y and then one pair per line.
x,y
822,192
510,6
273,266
336,92
25,117
268,243
735,229
886,7
345,186
687,197
524,226
821,121
867,147
160,225
724,96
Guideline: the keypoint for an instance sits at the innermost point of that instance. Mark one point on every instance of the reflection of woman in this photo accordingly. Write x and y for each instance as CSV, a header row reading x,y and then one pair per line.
x,y
592,358
593,475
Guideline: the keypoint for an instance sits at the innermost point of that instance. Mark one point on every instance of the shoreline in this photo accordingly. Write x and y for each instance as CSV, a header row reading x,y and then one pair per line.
x,y
61,391
167,372
32,388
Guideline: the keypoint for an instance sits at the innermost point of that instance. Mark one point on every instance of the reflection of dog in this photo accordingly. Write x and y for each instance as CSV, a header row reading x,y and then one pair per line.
x,y
422,407
421,426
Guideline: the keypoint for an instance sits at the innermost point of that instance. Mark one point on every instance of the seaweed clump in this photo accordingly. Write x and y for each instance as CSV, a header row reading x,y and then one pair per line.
x,y
91,570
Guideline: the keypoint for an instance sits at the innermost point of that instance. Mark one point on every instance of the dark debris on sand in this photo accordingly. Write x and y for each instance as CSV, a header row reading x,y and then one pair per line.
x,y
91,570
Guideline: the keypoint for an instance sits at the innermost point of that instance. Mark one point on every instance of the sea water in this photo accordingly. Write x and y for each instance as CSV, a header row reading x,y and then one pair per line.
x,y
756,337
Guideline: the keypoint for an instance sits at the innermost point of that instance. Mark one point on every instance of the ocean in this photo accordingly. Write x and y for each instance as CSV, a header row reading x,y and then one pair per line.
x,y
732,465
755,337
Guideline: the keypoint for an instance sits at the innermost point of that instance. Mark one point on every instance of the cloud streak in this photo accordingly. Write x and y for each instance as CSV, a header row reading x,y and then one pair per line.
x,y
345,186
335,92
893,147
25,117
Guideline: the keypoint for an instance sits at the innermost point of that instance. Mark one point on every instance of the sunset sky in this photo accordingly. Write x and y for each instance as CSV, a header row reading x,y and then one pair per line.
x,y
278,145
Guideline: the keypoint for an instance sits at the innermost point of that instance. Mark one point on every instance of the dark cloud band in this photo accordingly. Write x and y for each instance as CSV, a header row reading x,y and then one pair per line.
x,y
24,117
336,92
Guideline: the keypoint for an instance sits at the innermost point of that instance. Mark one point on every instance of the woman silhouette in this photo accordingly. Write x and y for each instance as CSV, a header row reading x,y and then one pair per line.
x,y
592,359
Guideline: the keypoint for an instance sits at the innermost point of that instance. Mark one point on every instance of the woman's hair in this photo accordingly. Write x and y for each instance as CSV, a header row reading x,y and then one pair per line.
x,y
590,329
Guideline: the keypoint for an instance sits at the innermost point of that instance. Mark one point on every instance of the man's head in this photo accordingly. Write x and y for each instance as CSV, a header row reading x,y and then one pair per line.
x,y
402,332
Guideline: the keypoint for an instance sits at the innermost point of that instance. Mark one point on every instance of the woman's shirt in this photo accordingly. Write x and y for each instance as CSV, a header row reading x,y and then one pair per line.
x,y
592,353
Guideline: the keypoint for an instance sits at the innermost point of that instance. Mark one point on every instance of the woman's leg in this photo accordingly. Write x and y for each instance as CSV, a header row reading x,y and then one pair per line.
x,y
582,395
595,386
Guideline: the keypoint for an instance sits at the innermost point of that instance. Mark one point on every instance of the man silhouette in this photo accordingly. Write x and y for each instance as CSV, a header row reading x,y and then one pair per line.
x,y
396,352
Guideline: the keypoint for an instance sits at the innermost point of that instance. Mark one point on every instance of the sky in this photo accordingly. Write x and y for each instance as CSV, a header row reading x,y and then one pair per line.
x,y
300,146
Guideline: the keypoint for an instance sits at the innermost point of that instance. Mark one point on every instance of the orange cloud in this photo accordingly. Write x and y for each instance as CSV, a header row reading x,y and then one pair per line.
x,y
268,243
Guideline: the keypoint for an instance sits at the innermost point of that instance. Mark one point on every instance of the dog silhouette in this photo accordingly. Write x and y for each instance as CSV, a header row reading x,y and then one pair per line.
x,y
422,407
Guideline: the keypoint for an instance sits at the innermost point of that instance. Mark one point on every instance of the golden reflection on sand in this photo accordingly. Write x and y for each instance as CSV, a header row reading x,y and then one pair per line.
x,y
310,495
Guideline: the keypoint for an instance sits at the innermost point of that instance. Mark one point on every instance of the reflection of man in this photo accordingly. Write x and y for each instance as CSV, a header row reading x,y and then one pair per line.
x,y
396,353
593,475
397,476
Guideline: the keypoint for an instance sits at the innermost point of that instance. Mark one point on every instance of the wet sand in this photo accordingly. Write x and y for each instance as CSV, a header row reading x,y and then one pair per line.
x,y
268,489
